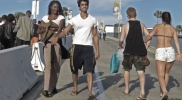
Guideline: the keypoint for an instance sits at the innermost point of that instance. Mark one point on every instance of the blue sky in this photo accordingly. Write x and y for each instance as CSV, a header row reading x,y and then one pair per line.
x,y
103,9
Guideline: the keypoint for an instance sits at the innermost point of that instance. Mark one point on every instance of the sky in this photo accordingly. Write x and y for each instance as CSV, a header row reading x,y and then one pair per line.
x,y
103,9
